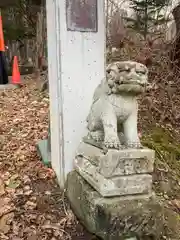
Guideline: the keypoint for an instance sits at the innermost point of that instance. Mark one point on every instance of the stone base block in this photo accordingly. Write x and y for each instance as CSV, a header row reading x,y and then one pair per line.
x,y
116,172
116,186
114,218
115,163
42,147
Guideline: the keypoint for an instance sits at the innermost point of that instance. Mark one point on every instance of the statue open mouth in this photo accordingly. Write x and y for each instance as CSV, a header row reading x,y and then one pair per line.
x,y
132,81
135,86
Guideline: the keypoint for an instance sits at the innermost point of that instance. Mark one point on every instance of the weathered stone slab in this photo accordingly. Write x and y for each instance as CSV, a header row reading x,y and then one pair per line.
x,y
118,186
90,152
117,217
126,162
116,172
115,163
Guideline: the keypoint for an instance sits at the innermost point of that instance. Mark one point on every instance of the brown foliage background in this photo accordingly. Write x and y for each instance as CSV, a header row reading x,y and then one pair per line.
x,y
160,106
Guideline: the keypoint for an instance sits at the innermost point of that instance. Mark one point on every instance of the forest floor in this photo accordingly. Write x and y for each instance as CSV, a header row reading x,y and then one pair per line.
x,y
31,204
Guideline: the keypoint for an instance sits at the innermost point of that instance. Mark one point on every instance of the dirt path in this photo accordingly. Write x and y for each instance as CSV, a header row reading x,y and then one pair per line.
x,y
31,205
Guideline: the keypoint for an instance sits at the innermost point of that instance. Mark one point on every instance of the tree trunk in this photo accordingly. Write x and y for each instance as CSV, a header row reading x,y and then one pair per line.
x,y
40,35
175,54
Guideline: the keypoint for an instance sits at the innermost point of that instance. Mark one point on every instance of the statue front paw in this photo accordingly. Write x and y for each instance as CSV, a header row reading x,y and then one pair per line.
x,y
112,142
98,136
134,145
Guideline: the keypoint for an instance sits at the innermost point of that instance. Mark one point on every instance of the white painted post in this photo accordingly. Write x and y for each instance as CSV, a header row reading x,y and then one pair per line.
x,y
76,63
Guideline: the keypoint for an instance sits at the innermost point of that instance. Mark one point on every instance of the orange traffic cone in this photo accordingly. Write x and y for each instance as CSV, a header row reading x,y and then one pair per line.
x,y
16,77
2,46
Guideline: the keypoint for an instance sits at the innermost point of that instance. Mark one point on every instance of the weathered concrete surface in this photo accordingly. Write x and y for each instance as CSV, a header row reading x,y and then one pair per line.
x,y
119,218
44,152
7,86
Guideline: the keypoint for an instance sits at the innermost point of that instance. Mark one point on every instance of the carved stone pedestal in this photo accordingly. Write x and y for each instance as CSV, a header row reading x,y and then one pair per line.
x,y
111,192
115,218
117,172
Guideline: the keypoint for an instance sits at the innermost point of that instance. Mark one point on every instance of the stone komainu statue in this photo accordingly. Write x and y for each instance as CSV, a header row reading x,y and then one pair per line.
x,y
114,109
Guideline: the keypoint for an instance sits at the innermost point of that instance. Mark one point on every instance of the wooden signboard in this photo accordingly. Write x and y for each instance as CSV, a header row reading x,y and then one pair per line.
x,y
81,15
7,3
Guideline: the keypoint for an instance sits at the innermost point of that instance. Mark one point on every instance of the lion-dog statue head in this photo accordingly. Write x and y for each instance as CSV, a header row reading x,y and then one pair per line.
x,y
127,77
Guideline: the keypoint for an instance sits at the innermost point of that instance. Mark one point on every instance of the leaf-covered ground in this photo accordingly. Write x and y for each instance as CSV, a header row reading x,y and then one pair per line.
x,y
31,204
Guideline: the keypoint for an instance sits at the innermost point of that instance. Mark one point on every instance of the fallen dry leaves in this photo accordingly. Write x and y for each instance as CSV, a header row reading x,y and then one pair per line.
x,y
175,204
31,204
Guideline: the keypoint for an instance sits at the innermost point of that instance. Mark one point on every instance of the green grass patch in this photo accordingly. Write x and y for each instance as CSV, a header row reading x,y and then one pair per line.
x,y
166,147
